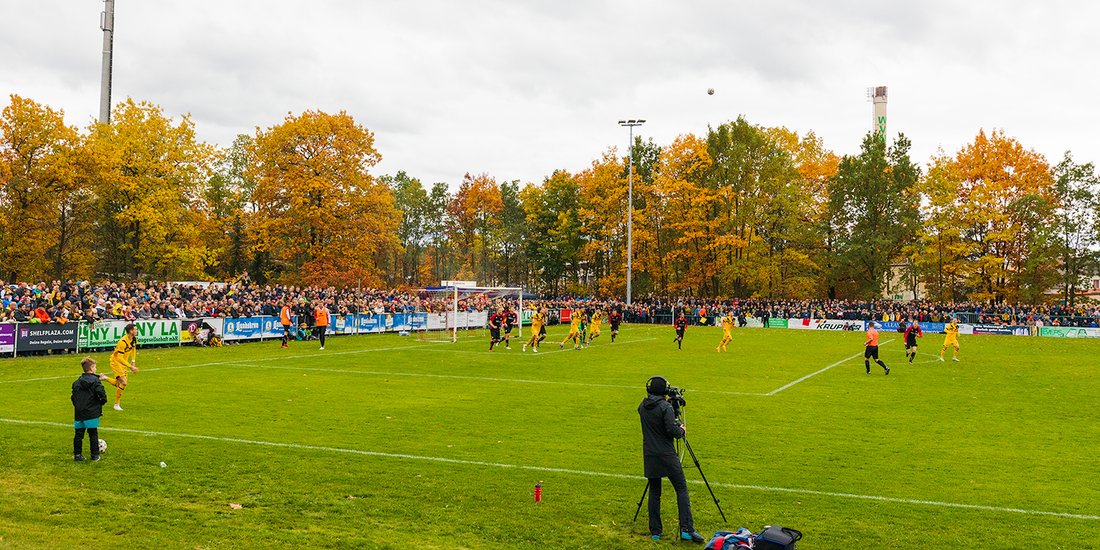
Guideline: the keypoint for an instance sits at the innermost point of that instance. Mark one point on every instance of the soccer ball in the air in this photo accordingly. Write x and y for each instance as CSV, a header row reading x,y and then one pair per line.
x,y
710,91
102,445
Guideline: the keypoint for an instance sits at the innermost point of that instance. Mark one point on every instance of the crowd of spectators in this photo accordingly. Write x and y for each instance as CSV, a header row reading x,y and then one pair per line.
x,y
646,310
83,301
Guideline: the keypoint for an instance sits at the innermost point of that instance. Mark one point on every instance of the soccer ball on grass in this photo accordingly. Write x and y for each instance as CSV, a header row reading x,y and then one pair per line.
x,y
102,445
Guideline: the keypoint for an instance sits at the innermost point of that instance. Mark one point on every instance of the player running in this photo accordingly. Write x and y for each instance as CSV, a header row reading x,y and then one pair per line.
x,y
911,334
510,320
951,339
681,324
576,319
727,334
594,332
124,357
495,322
538,330
871,349
614,319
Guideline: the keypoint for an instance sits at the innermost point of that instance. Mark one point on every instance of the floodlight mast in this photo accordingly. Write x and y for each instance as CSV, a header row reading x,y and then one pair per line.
x,y
107,23
630,203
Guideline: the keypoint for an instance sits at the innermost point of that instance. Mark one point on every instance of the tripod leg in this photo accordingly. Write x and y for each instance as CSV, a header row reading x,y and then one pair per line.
x,y
640,501
705,482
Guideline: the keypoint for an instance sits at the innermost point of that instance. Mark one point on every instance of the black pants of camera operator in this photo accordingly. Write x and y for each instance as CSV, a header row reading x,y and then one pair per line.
x,y
683,504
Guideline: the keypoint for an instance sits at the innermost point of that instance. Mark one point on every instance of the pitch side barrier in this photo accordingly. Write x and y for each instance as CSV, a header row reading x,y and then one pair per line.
x,y
892,326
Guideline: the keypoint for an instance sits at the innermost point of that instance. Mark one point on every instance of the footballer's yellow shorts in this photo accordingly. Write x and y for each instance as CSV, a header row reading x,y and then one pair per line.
x,y
595,329
950,342
726,335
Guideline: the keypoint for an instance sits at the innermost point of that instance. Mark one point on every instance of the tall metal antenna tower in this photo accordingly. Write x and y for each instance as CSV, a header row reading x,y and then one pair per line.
x,y
107,23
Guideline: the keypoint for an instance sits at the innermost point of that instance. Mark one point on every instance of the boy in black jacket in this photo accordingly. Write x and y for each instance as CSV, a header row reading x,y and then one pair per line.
x,y
88,399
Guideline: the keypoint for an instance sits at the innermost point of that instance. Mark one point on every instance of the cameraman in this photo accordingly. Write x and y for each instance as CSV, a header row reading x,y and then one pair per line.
x,y
660,428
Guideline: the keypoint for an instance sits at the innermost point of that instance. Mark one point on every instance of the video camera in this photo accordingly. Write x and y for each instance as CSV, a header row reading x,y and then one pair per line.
x,y
675,395
676,398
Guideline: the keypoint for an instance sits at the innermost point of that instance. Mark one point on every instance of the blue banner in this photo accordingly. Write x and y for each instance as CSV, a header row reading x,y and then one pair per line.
x,y
273,327
341,325
370,323
245,328
418,321
892,326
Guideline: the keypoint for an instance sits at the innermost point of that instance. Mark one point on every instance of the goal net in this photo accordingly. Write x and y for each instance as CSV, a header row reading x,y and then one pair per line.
x,y
462,309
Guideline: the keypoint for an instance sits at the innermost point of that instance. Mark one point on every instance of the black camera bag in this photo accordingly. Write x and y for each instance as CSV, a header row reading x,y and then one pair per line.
x,y
775,537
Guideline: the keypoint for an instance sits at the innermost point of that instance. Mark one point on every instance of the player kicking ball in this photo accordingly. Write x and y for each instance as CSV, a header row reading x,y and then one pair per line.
x,y
870,350
951,339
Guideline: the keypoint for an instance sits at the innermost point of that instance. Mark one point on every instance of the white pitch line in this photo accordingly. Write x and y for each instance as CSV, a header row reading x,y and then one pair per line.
x,y
142,370
773,392
460,377
533,354
569,471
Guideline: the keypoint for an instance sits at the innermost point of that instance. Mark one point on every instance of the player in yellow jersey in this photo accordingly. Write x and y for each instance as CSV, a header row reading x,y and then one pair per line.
x,y
124,358
538,330
575,320
727,327
594,330
951,339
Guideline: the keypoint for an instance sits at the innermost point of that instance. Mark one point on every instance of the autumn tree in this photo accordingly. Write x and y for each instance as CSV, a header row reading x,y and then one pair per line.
x,y
940,253
46,198
603,210
227,200
473,209
691,258
321,216
555,240
149,176
1005,202
1076,224
873,204
508,235
411,200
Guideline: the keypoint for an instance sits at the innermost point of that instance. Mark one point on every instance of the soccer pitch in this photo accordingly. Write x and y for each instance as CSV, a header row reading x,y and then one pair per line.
x,y
382,441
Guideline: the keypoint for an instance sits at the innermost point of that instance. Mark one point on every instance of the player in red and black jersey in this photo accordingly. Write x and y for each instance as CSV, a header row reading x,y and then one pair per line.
x,y
614,319
510,321
495,322
911,335
681,324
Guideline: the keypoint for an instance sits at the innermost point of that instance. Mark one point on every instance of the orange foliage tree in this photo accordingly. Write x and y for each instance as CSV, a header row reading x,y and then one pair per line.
x,y
320,215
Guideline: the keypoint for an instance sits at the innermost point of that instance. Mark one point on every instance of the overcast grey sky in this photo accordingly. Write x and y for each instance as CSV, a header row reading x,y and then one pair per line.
x,y
517,89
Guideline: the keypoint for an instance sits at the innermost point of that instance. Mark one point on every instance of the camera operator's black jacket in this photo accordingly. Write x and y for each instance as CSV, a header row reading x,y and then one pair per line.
x,y
659,432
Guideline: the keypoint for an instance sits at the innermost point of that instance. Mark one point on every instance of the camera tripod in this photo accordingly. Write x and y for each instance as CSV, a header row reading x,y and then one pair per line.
x,y
684,445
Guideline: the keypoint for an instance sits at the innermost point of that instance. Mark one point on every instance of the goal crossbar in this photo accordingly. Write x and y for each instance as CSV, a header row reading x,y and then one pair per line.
x,y
455,291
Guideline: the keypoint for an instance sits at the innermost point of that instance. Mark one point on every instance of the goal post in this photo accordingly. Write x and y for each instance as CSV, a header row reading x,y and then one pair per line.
x,y
465,306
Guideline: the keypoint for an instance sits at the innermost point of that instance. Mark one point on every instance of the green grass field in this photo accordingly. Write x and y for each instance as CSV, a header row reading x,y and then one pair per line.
x,y
386,442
